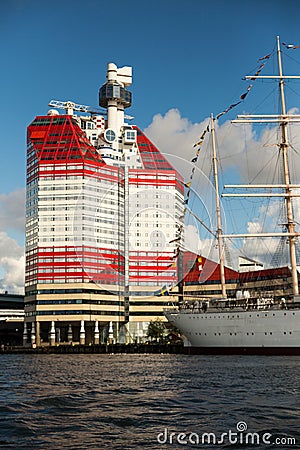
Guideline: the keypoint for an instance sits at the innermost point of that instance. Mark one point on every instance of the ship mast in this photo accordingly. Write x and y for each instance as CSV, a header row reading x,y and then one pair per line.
x,y
218,209
284,150
283,119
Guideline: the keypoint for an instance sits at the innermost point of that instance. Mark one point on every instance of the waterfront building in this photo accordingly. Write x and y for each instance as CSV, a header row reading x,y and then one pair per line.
x,y
11,318
202,279
103,206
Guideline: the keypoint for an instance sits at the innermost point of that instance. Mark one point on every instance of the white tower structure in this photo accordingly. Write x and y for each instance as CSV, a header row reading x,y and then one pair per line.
x,y
114,97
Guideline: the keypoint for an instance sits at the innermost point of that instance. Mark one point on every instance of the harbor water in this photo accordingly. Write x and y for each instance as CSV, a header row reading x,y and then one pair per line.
x,y
138,401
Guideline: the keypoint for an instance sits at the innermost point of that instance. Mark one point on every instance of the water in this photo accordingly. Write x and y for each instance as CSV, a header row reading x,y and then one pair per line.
x,y
127,402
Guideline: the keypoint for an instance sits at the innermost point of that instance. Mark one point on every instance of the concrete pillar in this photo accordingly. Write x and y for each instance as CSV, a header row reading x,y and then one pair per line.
x,y
33,336
82,333
52,334
58,334
38,334
110,333
96,333
25,336
122,335
70,333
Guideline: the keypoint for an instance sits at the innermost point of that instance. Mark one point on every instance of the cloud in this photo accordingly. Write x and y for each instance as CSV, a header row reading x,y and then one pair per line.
x,y
12,207
12,264
247,154
12,259
251,152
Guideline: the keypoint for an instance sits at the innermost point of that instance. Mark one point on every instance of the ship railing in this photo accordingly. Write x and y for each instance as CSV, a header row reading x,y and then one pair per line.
x,y
223,305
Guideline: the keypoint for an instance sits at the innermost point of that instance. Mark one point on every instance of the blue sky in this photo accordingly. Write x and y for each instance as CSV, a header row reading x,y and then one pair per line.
x,y
188,56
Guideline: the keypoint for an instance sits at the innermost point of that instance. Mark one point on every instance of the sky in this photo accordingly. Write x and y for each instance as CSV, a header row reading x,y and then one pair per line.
x,y
188,60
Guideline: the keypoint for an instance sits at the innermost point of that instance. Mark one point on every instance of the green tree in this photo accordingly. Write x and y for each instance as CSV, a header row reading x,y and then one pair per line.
x,y
156,330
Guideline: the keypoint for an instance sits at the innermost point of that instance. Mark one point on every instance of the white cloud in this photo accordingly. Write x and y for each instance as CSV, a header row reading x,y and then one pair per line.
x,y
192,241
12,207
12,259
250,155
12,264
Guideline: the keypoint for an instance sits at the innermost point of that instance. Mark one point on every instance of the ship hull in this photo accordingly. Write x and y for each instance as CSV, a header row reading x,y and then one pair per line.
x,y
274,332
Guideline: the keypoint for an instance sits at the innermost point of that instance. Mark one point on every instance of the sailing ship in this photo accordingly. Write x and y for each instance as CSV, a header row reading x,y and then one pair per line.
x,y
244,324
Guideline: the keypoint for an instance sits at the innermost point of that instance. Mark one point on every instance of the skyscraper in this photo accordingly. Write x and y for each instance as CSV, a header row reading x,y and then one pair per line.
x,y
103,205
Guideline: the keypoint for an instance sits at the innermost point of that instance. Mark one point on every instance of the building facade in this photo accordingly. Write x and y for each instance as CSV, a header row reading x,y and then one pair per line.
x,y
102,209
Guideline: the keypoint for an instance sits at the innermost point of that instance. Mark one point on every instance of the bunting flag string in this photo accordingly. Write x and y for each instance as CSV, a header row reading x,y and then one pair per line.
x,y
290,46
200,142
188,192
244,95
228,109
265,57
258,71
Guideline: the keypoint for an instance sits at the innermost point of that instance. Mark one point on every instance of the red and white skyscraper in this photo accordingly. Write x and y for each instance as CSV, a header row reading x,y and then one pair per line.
x,y
103,205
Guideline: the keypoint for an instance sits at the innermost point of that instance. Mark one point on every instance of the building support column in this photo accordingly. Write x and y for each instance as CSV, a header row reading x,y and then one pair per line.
x,y
96,333
38,334
25,335
82,333
110,333
33,335
52,333
70,334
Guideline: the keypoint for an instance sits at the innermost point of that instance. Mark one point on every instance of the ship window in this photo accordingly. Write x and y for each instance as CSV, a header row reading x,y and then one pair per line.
x,y
284,332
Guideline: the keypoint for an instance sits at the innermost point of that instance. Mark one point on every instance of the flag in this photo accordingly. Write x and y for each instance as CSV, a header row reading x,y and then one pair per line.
x,y
162,291
188,184
220,114
291,46
198,143
258,71
243,96
175,240
265,57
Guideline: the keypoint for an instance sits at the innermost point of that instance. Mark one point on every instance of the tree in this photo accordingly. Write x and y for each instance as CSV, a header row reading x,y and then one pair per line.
x,y
156,330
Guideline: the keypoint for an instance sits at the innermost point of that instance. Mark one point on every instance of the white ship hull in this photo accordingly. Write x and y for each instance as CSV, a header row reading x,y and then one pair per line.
x,y
273,331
